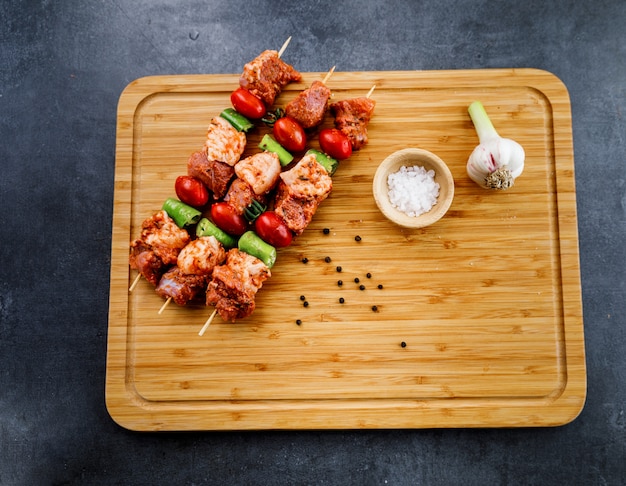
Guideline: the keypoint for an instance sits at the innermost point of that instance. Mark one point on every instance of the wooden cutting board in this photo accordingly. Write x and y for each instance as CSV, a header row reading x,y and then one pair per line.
x,y
479,319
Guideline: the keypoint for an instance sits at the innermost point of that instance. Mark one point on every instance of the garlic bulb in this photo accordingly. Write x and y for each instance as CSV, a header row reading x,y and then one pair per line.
x,y
496,162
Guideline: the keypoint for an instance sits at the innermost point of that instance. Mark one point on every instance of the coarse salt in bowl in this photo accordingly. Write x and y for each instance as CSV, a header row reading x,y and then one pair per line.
x,y
413,188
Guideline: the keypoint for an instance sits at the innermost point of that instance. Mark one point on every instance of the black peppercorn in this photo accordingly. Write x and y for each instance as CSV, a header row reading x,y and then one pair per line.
x,y
339,283
305,304
375,308
302,297
369,275
380,286
327,259
357,238
356,280
298,321
341,300
326,231
403,344
305,260
339,268
362,287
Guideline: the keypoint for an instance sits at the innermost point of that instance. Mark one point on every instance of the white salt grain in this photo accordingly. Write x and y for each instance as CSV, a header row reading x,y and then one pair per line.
x,y
413,190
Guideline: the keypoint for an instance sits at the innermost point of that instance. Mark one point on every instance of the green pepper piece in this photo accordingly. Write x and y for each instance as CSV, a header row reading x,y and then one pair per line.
x,y
206,227
271,145
182,214
325,160
252,244
237,120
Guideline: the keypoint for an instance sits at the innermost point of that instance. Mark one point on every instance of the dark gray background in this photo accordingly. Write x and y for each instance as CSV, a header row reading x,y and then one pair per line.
x,y
63,65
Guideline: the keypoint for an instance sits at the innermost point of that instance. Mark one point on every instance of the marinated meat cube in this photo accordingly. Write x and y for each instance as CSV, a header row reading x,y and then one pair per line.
x,y
234,285
266,75
214,174
300,192
261,171
201,255
224,142
157,247
352,117
240,195
163,236
309,107
190,277
308,178
296,212
144,260
181,287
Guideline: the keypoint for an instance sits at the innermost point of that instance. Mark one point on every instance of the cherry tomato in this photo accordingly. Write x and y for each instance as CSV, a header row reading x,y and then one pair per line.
x,y
228,219
289,134
191,191
335,143
272,229
247,104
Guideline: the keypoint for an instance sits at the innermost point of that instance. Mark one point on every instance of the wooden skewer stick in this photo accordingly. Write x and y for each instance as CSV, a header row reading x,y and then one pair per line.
x,y
282,49
332,70
165,304
370,91
207,323
135,282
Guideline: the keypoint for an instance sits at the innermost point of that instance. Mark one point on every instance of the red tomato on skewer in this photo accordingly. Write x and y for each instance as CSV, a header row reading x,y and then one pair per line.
x,y
273,230
289,134
228,219
335,143
191,191
247,104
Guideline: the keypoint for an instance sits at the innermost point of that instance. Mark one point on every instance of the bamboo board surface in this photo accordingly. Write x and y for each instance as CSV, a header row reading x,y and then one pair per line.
x,y
487,301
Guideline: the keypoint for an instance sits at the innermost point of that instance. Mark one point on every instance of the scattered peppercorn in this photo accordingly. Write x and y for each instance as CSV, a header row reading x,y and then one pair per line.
x,y
356,280
362,287
339,268
341,300
302,297
305,304
298,321
326,231
305,260
380,286
327,259
369,275
357,238
375,308
403,344
339,283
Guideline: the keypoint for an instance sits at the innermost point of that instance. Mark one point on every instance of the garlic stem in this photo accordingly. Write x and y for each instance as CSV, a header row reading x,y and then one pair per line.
x,y
482,123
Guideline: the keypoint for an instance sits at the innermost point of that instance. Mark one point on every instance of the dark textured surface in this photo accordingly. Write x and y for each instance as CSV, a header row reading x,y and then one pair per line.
x,y
63,66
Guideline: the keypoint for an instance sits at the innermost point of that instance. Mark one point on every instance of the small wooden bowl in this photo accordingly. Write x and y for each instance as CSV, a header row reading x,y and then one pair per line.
x,y
413,157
